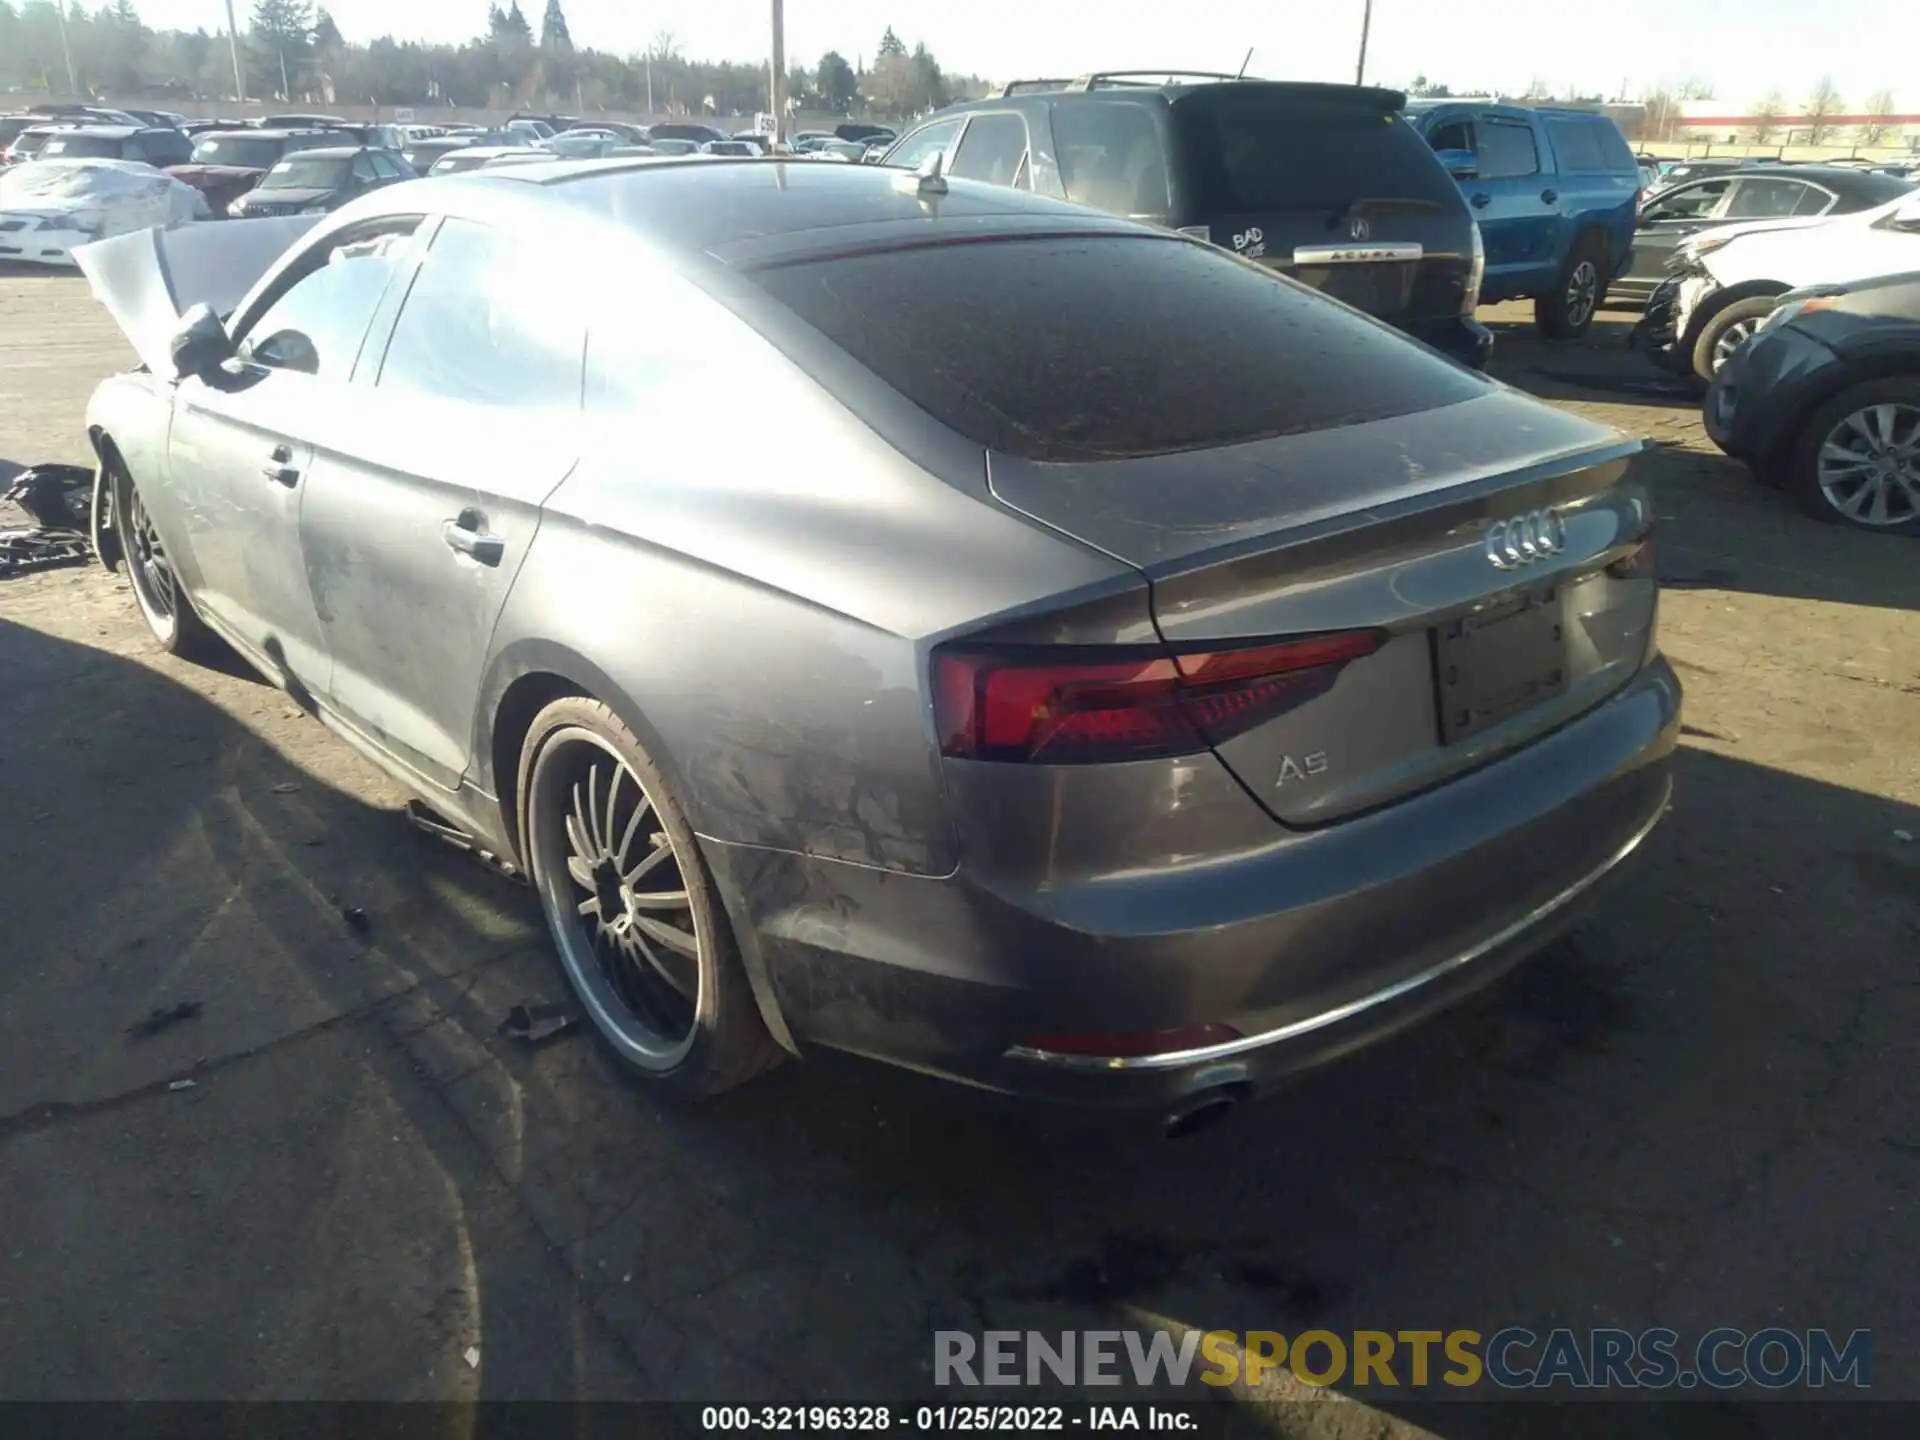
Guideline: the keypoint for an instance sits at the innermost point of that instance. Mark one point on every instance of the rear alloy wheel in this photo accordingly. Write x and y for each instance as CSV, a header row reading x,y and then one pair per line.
x,y
1722,336
1858,460
642,939
156,584
1567,311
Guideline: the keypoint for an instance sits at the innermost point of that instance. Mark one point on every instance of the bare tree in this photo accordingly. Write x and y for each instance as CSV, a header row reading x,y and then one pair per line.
x,y
1822,105
1766,116
1538,91
665,45
1660,110
1879,109
1695,87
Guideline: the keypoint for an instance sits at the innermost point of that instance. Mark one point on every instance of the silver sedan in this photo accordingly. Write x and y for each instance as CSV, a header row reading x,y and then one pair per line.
x,y
1087,664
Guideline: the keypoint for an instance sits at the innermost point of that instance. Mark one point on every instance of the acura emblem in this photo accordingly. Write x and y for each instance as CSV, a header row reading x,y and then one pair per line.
x,y
1525,539
1358,228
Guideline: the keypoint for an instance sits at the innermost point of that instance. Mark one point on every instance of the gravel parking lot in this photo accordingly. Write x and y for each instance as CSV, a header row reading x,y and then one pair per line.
x,y
1698,1110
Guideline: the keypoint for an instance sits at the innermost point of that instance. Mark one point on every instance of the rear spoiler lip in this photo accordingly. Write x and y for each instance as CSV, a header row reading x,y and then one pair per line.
x,y
1426,460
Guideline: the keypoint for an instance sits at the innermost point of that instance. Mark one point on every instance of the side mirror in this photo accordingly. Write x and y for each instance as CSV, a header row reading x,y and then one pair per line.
x,y
1461,164
1907,217
201,345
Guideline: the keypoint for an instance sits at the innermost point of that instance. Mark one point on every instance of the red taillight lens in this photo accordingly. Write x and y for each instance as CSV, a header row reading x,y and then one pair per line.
x,y
1126,704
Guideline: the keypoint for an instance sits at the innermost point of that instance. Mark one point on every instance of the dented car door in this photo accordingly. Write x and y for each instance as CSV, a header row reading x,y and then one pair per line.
x,y
464,416
241,449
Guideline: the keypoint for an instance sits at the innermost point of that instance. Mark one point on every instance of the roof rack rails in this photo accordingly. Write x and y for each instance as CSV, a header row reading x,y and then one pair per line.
x,y
1148,77
1017,87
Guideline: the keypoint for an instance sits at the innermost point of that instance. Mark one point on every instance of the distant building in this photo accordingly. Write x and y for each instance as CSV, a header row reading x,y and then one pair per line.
x,y
1719,121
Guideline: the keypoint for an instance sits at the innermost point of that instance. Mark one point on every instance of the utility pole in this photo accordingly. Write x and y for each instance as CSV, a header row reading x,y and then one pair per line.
x,y
778,72
649,82
73,84
233,43
1366,24
286,90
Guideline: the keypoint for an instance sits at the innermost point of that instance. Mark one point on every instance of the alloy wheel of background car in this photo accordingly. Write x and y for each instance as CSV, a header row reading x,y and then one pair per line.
x,y
1731,339
1582,288
1724,332
630,905
1565,312
1858,458
156,584
1870,466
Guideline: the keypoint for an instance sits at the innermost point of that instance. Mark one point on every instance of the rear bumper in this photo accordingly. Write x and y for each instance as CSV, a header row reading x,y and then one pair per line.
x,y
1311,946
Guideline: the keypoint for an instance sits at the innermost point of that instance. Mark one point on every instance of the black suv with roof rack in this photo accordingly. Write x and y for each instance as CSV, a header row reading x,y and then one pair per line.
x,y
1325,184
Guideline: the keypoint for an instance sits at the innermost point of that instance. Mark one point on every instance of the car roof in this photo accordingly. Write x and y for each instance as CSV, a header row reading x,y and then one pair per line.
x,y
743,209
112,132
250,132
1101,87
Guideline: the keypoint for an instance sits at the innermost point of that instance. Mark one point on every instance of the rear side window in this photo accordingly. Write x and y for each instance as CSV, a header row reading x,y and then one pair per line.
x,y
1766,199
1576,144
1613,146
1110,157
993,149
483,326
1103,347
1507,150
1250,150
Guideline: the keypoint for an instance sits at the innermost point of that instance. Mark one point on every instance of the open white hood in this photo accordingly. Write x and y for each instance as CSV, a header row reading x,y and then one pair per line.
x,y
149,278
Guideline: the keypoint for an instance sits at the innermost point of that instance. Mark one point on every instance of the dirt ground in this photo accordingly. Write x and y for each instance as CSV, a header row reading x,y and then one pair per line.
x,y
1699,1110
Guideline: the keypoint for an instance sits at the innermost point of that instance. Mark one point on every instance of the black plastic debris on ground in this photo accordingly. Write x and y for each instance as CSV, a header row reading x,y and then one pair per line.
x,y
356,919
166,1019
58,499
538,1021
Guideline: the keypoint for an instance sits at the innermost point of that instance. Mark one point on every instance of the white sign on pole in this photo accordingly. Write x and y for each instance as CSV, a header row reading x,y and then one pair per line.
x,y
765,124
403,115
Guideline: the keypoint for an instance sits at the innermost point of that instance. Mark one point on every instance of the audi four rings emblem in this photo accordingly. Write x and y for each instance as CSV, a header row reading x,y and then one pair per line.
x,y
1525,539
1358,228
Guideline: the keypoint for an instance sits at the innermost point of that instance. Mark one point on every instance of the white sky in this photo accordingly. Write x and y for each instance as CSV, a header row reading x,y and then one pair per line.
x,y
1744,47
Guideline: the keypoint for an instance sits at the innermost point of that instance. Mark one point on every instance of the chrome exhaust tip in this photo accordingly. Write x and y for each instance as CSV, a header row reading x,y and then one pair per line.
x,y
1202,1111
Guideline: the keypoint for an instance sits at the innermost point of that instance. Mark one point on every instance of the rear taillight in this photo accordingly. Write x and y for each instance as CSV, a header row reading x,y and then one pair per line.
x,y
1084,706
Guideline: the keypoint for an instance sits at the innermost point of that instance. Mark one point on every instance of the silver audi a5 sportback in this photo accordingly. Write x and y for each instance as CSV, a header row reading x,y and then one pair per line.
x,y
911,617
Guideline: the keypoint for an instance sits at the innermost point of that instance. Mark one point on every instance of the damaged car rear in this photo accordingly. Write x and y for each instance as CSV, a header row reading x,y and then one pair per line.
x,y
1107,670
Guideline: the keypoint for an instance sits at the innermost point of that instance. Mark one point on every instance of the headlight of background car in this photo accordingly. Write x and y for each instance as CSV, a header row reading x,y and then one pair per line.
x,y
1799,303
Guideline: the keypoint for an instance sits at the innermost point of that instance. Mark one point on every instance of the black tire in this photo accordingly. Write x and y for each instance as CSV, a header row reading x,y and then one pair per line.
x,y
157,591
1823,495
1726,331
1565,312
631,982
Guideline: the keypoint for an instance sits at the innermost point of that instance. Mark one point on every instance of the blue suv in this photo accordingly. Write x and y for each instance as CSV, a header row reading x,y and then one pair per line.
x,y
1555,192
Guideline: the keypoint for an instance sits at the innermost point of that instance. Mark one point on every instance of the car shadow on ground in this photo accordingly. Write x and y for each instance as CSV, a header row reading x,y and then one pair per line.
x,y
1640,1127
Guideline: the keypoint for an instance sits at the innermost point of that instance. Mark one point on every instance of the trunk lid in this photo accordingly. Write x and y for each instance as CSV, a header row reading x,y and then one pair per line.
x,y
1329,186
1388,526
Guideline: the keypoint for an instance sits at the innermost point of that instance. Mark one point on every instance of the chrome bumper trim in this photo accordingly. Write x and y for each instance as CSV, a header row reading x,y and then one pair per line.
x,y
1228,1049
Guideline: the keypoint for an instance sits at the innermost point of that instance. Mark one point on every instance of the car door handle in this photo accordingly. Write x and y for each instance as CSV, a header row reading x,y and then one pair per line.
x,y
1480,200
1549,196
468,535
279,467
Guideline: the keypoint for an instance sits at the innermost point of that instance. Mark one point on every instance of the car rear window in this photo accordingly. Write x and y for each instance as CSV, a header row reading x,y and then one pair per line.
x,y
82,147
1102,347
1250,151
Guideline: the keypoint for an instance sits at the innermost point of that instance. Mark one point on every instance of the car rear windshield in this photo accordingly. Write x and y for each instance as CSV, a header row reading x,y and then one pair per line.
x,y
1250,151
1109,346
302,172
81,147
248,152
